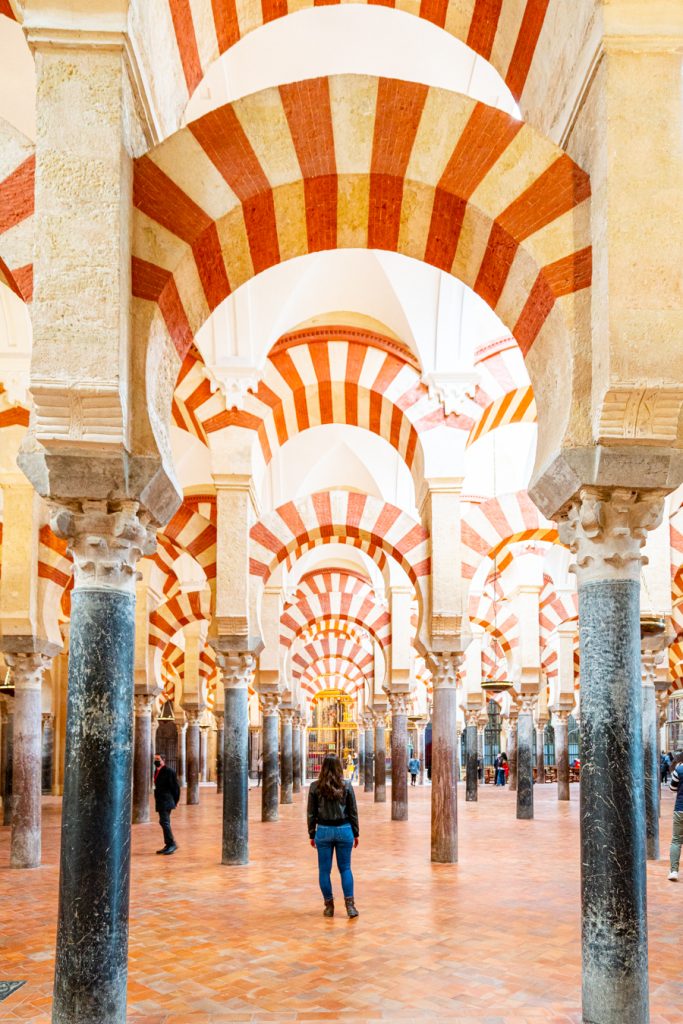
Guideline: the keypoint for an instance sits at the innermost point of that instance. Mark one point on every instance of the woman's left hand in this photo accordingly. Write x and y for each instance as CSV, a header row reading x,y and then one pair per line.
x,y
313,843
355,843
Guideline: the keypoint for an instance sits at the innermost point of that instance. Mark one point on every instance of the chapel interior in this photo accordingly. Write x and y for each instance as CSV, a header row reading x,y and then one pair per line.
x,y
341,411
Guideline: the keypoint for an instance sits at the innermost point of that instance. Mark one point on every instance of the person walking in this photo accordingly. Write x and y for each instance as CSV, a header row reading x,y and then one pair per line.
x,y
664,766
259,770
500,770
677,837
333,829
166,797
413,768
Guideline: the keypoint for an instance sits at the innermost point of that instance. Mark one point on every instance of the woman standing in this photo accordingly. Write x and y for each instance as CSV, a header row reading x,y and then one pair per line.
x,y
677,835
333,827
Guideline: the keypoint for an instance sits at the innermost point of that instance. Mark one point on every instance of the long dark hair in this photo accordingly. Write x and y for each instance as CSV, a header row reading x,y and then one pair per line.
x,y
331,778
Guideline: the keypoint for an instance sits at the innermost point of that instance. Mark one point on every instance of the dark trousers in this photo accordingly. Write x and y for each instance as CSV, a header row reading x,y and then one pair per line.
x,y
165,822
413,778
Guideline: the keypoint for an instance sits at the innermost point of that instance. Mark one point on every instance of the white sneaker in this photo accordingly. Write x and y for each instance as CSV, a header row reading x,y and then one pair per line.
x,y
673,876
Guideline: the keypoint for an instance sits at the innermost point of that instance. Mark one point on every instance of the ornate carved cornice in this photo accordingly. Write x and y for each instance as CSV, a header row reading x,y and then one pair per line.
x,y
605,528
105,541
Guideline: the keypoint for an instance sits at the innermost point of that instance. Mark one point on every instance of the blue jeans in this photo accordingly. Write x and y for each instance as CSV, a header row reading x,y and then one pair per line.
x,y
329,838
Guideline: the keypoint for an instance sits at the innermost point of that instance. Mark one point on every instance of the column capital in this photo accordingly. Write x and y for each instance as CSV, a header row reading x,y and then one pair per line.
x,y
270,704
529,703
605,529
398,702
287,714
368,720
445,668
27,669
561,715
219,716
106,541
236,668
193,715
47,717
472,718
142,703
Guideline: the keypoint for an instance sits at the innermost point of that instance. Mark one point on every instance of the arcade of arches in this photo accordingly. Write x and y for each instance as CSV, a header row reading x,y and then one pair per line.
x,y
341,396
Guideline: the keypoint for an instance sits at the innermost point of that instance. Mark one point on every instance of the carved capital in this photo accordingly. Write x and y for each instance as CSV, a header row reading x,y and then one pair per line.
x,y
561,717
445,669
472,718
105,541
27,670
529,702
236,669
47,718
286,716
605,528
142,703
398,702
270,705
192,715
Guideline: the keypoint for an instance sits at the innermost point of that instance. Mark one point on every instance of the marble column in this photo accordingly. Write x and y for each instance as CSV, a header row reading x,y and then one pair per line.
x,y
361,756
561,730
287,766
236,670
92,944
605,530
27,675
7,744
47,751
444,777
540,753
304,753
512,753
181,727
525,758
368,722
142,768
421,752
220,742
296,755
472,748
380,760
192,754
650,757
269,784
399,756
204,753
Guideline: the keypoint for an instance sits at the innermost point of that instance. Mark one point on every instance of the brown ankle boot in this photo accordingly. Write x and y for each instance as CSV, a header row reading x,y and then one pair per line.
x,y
350,907
329,908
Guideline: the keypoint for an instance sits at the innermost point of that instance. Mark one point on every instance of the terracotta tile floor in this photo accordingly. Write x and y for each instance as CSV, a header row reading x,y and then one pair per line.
x,y
493,940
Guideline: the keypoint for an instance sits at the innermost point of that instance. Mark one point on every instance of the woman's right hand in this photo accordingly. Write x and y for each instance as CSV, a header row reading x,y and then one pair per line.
x,y
312,842
355,842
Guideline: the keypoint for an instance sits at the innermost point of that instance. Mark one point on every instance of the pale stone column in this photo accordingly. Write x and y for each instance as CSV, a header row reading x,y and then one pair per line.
x,y
525,757
540,755
444,777
380,759
204,753
296,754
650,757
47,751
27,674
561,729
287,767
421,727
181,726
141,757
512,752
472,747
399,756
192,753
605,529
220,739
6,758
368,723
361,756
270,706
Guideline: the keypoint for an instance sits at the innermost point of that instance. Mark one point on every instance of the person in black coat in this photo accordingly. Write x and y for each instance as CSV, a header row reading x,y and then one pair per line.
x,y
166,797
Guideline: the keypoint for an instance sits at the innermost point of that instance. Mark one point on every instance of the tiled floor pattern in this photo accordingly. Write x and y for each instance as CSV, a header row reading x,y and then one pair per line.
x,y
493,940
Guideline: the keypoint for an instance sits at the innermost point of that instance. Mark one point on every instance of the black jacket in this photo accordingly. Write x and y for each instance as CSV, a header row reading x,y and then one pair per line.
x,y
166,790
322,811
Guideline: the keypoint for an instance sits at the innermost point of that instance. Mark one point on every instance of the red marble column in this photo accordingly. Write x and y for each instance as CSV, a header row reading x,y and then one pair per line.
x,y
399,756
444,778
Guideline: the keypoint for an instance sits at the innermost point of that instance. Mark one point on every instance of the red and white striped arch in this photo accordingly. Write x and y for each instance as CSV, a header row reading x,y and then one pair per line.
x,y
676,546
341,517
334,596
55,577
17,203
504,32
490,528
505,382
191,531
356,161
179,611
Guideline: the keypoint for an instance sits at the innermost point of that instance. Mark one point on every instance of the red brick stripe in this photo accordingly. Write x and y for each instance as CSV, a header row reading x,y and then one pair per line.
x,y
570,274
17,195
495,266
157,285
434,11
6,9
211,267
23,277
399,110
484,26
158,196
561,187
525,47
227,23
273,9
183,26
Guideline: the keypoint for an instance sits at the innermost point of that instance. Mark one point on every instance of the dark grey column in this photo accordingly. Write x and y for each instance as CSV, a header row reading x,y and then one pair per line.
x,y
92,922
27,674
296,755
203,753
525,761
361,755
7,744
560,728
650,759
369,754
287,766
421,752
606,530
192,755
399,757
47,752
270,784
236,671
471,772
220,743
380,760
540,754
142,769
181,726
444,777
304,753
512,754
